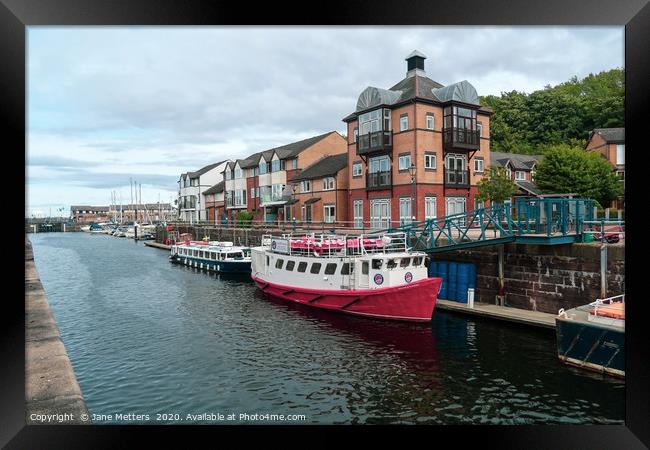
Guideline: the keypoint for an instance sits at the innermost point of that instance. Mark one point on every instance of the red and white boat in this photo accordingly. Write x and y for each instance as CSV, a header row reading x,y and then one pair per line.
x,y
366,275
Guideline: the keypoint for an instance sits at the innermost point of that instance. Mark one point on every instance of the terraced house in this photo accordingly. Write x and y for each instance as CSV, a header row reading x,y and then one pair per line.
x,y
261,183
415,150
191,200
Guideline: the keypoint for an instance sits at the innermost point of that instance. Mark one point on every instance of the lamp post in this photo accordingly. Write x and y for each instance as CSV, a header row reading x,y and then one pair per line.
x,y
412,170
294,186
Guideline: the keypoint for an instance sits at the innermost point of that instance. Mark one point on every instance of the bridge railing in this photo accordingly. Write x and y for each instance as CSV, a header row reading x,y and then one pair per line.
x,y
529,216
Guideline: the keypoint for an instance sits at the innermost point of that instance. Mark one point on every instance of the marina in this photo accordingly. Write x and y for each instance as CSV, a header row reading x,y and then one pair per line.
x,y
188,339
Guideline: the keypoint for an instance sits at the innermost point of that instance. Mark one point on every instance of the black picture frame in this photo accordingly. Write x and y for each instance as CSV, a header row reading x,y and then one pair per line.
x,y
16,15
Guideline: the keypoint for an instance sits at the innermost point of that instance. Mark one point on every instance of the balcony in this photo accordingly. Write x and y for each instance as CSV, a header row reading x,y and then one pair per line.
x,y
378,141
457,178
277,197
461,138
378,180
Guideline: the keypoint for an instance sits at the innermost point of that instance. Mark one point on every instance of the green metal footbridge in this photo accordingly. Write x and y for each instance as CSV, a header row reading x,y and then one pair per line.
x,y
541,221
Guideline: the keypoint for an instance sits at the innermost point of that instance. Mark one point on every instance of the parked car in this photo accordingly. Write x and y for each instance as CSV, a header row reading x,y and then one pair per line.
x,y
613,234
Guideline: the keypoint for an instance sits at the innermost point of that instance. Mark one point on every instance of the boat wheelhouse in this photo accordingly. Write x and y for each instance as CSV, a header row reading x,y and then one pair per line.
x,y
368,275
215,256
593,336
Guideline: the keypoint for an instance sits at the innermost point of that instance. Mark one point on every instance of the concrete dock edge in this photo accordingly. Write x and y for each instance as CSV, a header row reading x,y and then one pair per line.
x,y
52,393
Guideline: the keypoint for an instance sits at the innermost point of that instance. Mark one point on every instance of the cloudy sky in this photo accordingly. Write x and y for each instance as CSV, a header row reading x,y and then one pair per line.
x,y
106,104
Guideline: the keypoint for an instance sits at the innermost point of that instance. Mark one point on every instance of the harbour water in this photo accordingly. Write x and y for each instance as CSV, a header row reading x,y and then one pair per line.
x,y
149,338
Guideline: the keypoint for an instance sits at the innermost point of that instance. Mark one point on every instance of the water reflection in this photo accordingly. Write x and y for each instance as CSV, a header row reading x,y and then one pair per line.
x,y
145,335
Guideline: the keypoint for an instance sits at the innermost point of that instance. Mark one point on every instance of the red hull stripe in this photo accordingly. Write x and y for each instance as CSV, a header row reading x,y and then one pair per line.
x,y
410,302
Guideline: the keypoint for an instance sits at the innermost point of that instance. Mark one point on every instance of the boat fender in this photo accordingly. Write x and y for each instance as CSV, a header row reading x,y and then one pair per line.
x,y
562,313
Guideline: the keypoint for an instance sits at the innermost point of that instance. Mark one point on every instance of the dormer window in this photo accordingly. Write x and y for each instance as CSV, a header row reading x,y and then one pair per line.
x,y
262,167
275,165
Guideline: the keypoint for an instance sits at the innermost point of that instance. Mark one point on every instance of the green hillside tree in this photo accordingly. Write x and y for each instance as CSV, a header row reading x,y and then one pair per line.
x,y
567,170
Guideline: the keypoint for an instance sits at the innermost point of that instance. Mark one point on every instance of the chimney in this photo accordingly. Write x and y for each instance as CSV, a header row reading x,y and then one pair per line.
x,y
415,64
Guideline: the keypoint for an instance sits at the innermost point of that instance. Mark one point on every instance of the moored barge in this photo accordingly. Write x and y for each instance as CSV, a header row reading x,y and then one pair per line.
x,y
367,275
214,256
593,336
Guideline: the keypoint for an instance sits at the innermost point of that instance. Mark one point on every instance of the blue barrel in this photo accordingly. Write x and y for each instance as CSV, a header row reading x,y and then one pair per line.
x,y
433,269
452,281
443,267
464,272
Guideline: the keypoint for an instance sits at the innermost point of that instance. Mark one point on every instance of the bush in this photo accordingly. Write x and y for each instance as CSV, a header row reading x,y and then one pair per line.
x,y
244,219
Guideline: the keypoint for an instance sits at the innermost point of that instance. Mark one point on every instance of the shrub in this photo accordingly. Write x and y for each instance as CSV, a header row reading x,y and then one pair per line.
x,y
244,219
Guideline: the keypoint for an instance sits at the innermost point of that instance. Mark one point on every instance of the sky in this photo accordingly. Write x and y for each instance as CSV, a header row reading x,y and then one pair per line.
x,y
109,104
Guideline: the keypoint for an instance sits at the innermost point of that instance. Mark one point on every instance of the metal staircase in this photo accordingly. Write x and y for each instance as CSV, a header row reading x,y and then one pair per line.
x,y
546,221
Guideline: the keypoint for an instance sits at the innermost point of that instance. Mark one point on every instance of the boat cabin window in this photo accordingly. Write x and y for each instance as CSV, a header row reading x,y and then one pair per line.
x,y
200,253
267,259
330,269
196,253
315,268
364,267
302,266
391,264
345,269
417,261
213,255
278,263
376,263
235,255
290,265
404,262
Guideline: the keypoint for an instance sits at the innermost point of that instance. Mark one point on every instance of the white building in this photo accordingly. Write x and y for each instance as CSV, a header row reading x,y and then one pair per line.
x,y
191,201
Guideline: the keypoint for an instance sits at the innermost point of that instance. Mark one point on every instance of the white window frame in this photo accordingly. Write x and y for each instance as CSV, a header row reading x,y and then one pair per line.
x,y
479,127
331,216
358,218
402,158
328,184
620,154
428,213
432,117
523,175
305,186
404,123
476,168
404,215
428,157
354,167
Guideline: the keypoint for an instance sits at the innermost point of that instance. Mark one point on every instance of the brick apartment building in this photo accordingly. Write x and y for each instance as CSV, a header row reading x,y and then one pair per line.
x,y
416,140
261,183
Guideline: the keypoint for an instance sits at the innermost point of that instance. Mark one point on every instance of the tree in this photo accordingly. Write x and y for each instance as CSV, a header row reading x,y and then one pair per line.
x,y
497,186
524,123
571,170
